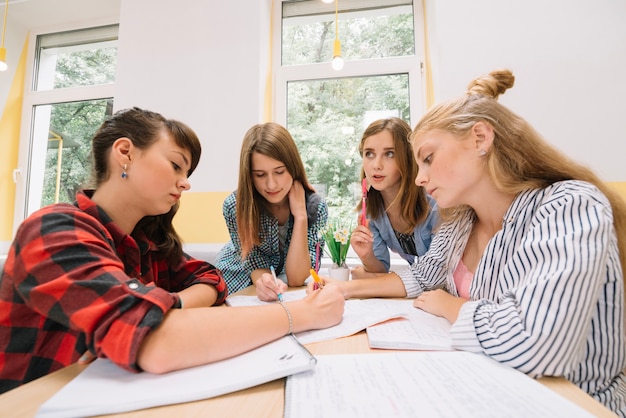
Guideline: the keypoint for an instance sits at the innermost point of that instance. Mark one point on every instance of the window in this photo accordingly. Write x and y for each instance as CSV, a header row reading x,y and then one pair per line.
x,y
71,94
325,110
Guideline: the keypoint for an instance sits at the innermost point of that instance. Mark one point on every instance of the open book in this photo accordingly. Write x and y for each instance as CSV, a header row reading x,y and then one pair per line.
x,y
104,388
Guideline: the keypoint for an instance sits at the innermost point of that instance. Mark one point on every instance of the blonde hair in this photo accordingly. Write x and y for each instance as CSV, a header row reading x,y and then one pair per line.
x,y
274,141
414,206
519,158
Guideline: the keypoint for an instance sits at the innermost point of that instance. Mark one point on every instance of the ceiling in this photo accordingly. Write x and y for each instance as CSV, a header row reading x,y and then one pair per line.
x,y
33,14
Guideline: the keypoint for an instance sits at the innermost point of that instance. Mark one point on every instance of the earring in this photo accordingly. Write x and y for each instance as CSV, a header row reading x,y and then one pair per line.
x,y
124,174
482,152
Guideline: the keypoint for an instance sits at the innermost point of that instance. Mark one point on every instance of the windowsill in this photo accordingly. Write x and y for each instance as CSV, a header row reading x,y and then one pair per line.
x,y
209,251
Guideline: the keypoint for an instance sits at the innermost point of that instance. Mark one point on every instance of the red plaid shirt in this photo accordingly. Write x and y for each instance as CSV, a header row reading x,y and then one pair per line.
x,y
73,281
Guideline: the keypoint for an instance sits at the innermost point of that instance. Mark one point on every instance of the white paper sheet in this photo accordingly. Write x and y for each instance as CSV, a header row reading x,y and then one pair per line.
x,y
358,315
104,388
420,384
419,330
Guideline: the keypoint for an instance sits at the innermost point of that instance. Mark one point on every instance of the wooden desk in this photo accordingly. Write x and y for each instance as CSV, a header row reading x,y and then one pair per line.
x,y
262,401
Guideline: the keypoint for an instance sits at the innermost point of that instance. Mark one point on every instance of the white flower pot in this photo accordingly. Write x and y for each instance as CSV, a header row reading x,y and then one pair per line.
x,y
339,273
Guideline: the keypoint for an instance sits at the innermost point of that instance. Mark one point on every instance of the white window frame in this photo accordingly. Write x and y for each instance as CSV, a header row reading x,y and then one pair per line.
x,y
411,65
32,99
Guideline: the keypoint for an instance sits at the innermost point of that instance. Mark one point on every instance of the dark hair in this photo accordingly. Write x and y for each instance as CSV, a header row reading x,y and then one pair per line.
x,y
143,127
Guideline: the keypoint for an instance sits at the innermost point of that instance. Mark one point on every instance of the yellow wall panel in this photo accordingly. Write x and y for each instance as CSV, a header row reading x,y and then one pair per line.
x,y
200,219
10,122
620,186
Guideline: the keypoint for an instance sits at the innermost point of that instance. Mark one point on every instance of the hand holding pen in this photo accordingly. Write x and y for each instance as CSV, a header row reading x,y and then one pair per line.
x,y
319,284
269,287
278,292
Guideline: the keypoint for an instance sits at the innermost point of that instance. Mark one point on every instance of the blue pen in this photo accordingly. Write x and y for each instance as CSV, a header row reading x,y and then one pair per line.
x,y
280,295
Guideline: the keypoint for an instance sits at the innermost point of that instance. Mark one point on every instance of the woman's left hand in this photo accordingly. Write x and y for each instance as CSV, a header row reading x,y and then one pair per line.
x,y
441,303
297,200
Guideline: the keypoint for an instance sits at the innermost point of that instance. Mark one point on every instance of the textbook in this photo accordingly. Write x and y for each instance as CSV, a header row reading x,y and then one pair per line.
x,y
411,384
105,388
416,330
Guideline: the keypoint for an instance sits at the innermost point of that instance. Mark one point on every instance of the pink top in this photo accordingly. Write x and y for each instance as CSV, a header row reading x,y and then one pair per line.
x,y
462,279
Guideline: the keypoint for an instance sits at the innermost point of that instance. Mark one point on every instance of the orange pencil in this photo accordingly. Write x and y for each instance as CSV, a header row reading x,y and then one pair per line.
x,y
318,282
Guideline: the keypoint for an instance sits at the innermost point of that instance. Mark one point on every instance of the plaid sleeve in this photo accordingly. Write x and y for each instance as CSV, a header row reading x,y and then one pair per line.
x,y
192,271
65,271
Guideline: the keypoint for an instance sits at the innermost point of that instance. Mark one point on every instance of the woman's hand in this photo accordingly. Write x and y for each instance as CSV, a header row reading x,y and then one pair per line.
x,y
326,306
359,272
297,200
362,241
341,285
267,290
441,303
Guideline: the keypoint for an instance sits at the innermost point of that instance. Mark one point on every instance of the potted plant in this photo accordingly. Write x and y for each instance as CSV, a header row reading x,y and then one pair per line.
x,y
337,238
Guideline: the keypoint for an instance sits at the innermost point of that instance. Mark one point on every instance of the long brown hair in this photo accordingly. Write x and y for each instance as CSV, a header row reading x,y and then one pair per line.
x,y
414,206
143,128
274,141
519,158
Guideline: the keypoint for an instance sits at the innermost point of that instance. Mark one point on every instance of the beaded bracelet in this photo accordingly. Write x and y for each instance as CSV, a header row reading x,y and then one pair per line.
x,y
288,316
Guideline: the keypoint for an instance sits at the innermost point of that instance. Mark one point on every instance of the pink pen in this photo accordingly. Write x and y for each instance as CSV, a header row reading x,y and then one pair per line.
x,y
364,197
317,256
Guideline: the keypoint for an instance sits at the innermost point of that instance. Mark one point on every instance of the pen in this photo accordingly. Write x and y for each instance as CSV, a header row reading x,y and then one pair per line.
x,y
364,197
318,282
280,295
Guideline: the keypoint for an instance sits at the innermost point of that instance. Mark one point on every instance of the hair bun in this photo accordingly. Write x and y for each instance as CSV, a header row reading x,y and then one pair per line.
x,y
493,84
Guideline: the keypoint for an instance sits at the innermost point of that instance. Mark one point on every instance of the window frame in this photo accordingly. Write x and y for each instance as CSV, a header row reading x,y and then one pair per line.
x,y
33,98
411,65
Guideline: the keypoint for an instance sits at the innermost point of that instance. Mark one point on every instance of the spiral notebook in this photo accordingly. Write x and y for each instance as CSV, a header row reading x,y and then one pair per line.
x,y
91,392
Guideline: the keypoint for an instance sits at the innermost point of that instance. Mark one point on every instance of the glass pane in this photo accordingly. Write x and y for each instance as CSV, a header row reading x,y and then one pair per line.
x,y
66,130
327,119
309,31
77,58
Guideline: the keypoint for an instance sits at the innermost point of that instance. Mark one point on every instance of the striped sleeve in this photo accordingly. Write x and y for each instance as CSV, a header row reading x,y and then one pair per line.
x,y
550,285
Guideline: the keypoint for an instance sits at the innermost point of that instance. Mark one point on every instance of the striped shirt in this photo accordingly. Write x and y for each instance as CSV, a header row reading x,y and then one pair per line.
x,y
547,296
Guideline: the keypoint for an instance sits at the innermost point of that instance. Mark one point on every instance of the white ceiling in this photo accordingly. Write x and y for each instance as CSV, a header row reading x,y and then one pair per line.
x,y
46,13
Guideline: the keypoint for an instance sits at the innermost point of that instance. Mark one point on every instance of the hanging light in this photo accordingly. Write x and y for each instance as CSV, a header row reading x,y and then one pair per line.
x,y
337,62
3,50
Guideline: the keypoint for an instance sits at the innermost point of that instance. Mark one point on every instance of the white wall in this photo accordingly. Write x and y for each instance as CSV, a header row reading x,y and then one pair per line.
x,y
569,59
202,62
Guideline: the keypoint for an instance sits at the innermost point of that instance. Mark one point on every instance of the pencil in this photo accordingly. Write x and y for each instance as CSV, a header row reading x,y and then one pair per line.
x,y
318,282
280,295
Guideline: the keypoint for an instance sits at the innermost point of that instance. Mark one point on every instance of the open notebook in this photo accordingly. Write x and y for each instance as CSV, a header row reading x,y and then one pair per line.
x,y
416,330
412,384
91,392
